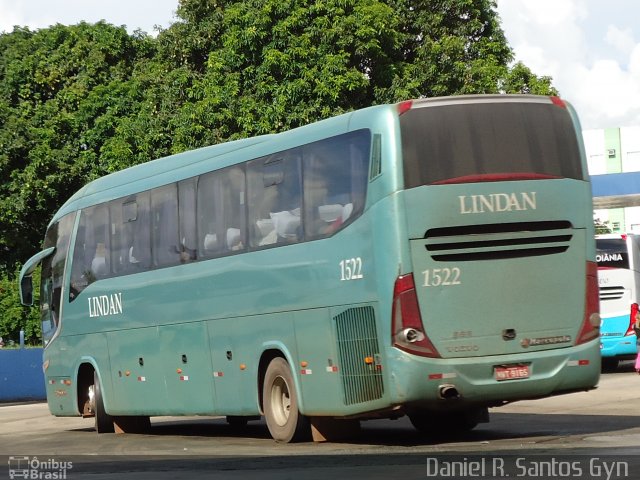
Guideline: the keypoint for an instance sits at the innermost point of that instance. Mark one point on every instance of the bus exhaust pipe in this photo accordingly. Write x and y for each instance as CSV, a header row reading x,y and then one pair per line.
x,y
448,392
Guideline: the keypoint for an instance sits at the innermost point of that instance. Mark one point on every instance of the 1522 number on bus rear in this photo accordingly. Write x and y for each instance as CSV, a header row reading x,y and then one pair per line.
x,y
441,277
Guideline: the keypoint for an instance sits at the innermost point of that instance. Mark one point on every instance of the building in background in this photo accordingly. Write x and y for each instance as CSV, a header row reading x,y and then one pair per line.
x,y
613,155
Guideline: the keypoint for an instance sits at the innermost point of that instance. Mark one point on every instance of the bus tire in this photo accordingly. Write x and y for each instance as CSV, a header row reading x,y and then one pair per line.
x,y
285,422
103,421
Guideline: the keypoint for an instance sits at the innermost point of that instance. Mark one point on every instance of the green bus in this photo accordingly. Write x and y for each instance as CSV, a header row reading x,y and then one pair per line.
x,y
431,258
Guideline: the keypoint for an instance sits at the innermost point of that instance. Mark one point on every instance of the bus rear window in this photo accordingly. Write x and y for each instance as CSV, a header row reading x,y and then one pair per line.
x,y
469,141
612,253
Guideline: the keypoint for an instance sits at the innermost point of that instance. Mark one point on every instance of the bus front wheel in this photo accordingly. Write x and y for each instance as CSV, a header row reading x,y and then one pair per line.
x,y
103,421
284,420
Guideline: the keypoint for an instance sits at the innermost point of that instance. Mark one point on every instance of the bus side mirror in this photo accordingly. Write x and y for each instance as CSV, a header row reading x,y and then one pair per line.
x,y
26,291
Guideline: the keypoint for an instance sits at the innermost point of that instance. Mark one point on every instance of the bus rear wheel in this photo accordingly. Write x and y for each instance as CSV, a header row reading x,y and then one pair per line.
x,y
284,420
103,421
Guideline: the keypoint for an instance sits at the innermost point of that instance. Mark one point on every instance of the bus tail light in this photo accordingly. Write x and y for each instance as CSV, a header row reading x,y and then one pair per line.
x,y
405,106
591,323
635,310
557,101
407,330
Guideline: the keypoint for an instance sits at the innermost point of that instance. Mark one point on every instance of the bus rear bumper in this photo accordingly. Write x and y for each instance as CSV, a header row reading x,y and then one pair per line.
x,y
619,346
476,381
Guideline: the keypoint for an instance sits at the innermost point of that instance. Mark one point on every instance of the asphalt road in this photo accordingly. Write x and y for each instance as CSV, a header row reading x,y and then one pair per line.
x,y
583,435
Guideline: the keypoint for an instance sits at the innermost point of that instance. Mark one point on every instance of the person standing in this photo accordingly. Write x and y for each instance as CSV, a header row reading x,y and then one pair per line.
x,y
636,329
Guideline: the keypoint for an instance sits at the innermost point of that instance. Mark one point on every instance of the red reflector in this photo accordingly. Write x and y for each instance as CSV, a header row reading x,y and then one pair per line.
x,y
591,305
404,107
583,362
435,376
558,101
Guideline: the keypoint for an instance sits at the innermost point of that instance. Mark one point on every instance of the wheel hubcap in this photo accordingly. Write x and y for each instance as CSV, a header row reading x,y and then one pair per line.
x,y
280,401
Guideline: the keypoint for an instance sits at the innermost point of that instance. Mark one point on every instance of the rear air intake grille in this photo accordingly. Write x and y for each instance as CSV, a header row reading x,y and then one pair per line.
x,y
611,293
357,341
498,241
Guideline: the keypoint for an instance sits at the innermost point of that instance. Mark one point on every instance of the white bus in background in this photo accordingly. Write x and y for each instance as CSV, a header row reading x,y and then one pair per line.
x,y
618,257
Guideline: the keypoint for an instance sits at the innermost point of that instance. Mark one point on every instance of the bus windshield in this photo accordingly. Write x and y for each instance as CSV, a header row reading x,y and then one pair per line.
x,y
468,142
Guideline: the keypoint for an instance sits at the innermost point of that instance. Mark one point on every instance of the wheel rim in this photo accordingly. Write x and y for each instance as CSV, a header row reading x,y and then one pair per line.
x,y
280,401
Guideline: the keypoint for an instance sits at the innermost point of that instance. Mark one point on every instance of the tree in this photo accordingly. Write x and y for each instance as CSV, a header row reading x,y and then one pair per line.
x,y
276,64
601,227
78,102
14,317
63,91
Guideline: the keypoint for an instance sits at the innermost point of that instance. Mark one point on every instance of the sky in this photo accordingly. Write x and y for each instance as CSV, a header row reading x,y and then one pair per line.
x,y
591,48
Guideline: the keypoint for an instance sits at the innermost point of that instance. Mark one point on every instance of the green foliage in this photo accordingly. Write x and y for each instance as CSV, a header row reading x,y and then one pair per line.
x,y
520,79
63,92
14,316
602,227
78,102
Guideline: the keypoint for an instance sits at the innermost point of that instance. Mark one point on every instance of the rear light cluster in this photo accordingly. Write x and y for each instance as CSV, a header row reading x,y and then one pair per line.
x,y
407,330
635,310
591,324
557,101
404,107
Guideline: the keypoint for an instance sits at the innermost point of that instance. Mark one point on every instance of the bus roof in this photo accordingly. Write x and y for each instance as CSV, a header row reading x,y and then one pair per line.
x,y
166,170
191,163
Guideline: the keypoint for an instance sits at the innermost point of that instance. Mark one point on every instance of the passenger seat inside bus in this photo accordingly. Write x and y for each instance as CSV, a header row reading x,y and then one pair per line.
x,y
332,217
99,262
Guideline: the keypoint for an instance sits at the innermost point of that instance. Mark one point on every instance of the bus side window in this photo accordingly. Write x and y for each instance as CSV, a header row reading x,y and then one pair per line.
x,y
187,219
275,199
164,226
91,260
335,181
221,212
130,234
140,228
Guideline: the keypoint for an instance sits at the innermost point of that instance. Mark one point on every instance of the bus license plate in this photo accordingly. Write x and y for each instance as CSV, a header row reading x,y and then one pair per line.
x,y
510,372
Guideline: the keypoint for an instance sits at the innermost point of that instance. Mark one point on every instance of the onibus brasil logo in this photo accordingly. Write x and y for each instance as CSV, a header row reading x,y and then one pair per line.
x,y
33,468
